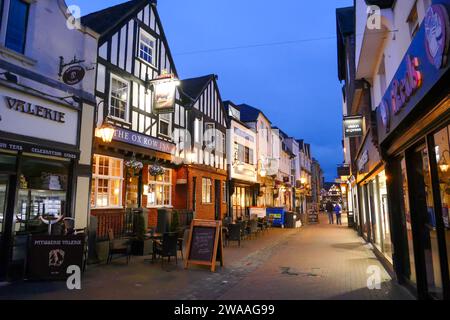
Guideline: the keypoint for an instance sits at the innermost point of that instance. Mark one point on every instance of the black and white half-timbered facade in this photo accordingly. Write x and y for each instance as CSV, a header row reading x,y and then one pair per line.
x,y
203,176
133,51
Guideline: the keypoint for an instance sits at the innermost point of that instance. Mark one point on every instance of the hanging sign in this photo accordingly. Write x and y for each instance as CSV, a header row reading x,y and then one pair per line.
x,y
353,126
205,245
164,94
73,75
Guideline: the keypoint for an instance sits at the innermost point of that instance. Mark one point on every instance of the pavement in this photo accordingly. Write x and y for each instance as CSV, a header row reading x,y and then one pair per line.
x,y
323,262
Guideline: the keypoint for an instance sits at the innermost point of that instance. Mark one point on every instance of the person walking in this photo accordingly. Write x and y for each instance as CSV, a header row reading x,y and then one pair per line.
x,y
337,211
329,208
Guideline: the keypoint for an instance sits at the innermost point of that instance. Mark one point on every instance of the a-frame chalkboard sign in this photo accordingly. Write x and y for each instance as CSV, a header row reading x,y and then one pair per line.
x,y
205,246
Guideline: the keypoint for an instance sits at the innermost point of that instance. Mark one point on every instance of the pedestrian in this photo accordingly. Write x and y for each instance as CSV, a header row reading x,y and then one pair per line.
x,y
329,208
337,211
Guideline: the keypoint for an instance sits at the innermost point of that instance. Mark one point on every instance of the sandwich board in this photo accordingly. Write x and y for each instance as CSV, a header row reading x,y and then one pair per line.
x,y
205,246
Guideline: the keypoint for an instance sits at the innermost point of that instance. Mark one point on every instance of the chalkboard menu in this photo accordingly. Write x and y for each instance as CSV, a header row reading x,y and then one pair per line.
x,y
313,217
204,245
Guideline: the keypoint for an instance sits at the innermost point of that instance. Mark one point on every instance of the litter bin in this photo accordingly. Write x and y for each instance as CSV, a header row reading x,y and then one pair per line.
x,y
293,220
277,215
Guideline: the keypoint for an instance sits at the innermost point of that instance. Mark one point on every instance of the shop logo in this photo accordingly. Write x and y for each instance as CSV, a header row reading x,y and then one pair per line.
x,y
437,35
385,115
403,89
56,258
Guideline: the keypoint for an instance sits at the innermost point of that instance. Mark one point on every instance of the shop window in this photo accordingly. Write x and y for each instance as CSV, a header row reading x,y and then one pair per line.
x,y
146,47
16,30
442,146
107,181
206,190
160,190
119,98
164,124
384,217
42,192
410,264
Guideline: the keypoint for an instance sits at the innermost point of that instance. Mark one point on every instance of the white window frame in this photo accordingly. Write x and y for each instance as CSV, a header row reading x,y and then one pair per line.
x,y
197,130
164,184
205,196
168,121
144,33
96,176
113,76
214,138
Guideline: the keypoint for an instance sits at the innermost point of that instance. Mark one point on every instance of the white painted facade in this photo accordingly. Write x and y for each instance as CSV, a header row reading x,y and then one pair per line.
x,y
38,83
379,52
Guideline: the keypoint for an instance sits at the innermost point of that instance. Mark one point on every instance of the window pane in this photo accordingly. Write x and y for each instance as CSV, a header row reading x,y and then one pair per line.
x,y
115,192
17,26
119,98
442,143
163,128
146,46
102,192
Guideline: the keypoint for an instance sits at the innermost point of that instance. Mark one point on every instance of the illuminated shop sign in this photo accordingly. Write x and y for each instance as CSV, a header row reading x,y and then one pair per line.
x,y
425,62
353,127
140,140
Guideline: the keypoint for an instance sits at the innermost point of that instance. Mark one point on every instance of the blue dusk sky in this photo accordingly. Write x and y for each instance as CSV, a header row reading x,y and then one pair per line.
x,y
279,56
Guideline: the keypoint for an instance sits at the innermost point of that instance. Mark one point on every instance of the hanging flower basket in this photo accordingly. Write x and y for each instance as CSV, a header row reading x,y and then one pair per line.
x,y
156,170
134,166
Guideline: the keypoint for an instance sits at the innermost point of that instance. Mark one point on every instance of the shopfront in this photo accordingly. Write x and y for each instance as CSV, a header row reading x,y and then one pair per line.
x,y
413,130
133,171
41,177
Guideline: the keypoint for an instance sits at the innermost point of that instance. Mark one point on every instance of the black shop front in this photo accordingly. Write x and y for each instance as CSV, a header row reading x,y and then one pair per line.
x,y
414,133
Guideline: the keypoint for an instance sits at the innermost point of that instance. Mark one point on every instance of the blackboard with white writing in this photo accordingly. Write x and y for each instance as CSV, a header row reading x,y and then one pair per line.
x,y
202,245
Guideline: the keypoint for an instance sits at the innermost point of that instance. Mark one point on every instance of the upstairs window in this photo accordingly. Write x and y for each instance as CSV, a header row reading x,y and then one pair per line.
x,y
147,47
119,98
413,21
17,25
164,124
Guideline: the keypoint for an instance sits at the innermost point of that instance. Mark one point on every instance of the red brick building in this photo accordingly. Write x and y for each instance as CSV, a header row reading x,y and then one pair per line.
x,y
201,181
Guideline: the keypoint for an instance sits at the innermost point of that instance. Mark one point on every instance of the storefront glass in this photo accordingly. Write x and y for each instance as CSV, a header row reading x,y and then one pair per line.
x,y
442,145
430,243
384,217
411,272
42,192
160,190
3,186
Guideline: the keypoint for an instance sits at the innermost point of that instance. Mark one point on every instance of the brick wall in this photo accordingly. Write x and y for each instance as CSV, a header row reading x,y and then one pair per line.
x,y
184,192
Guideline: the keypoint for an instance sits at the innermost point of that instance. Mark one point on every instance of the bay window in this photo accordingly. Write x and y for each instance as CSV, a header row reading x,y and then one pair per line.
x,y
160,190
107,181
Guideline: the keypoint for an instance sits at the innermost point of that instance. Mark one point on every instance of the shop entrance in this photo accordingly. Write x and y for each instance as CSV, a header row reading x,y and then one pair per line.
x,y
423,218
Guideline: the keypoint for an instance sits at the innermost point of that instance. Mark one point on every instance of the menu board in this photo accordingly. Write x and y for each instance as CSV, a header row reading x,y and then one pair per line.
x,y
204,245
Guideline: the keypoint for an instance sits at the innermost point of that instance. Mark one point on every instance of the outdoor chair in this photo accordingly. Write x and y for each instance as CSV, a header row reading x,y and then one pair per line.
x,y
168,247
234,233
253,228
118,246
244,230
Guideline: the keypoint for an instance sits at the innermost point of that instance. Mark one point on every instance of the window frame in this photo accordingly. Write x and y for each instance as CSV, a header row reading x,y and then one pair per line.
x,y
127,111
96,176
169,125
163,184
142,32
6,24
205,198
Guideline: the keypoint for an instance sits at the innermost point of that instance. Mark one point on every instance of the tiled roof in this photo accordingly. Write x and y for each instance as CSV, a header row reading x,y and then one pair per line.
x,y
103,20
194,87
249,113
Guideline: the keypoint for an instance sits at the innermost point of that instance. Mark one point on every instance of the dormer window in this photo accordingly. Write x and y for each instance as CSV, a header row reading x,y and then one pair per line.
x,y
147,47
16,29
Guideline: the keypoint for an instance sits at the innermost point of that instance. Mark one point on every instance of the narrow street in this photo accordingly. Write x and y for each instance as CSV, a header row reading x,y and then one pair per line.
x,y
314,262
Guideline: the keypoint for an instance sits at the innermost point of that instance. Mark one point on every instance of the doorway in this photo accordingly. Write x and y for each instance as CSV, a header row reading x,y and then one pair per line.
x,y
217,199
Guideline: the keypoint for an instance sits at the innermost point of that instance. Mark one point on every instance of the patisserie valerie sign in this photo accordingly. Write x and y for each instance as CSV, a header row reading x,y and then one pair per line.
x,y
425,62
